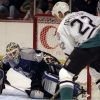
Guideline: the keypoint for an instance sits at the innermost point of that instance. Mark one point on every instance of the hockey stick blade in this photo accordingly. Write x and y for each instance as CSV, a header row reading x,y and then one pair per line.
x,y
24,91
16,88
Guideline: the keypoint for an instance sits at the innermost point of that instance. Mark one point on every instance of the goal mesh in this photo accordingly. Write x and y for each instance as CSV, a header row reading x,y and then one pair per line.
x,y
45,27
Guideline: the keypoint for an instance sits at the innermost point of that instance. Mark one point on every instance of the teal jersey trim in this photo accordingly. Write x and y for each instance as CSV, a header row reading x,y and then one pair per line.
x,y
93,42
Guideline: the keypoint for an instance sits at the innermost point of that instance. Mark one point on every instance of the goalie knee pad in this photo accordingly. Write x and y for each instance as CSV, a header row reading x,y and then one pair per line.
x,y
50,83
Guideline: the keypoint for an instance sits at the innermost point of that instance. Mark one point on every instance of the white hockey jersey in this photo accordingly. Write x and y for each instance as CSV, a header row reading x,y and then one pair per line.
x,y
77,28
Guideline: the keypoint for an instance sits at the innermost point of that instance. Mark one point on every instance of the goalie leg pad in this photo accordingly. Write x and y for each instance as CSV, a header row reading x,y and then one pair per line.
x,y
50,82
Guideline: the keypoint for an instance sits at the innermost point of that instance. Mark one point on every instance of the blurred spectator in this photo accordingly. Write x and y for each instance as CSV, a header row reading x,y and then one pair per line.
x,y
92,5
85,5
29,14
50,6
4,6
79,5
98,9
43,4
14,8
25,6
67,1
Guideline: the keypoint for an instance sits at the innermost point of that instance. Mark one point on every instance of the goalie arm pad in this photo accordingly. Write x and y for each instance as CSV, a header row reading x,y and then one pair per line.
x,y
50,83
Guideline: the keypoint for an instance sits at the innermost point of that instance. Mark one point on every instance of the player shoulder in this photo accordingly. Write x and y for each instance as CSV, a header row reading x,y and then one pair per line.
x,y
27,52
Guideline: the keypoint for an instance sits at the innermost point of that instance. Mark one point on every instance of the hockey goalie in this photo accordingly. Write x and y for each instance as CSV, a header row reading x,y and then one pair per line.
x,y
42,68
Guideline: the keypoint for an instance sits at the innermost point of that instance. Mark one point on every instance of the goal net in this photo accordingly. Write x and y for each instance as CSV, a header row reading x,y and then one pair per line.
x,y
45,27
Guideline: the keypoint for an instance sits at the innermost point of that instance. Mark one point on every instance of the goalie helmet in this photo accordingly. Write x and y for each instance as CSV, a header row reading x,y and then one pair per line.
x,y
11,46
13,51
60,6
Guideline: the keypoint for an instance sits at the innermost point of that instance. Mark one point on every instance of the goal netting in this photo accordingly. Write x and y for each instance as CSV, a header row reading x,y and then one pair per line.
x,y
44,38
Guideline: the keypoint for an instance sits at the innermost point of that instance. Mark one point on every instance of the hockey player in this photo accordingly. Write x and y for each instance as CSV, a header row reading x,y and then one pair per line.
x,y
79,38
39,66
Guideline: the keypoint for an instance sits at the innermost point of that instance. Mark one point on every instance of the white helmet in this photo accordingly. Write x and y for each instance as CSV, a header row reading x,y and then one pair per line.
x,y
11,46
60,6
13,51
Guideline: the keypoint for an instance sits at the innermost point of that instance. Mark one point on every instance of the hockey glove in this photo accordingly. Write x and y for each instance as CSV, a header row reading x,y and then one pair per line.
x,y
54,68
1,65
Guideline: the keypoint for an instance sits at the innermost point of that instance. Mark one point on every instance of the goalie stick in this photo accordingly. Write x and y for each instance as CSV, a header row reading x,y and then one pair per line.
x,y
16,88
53,97
26,91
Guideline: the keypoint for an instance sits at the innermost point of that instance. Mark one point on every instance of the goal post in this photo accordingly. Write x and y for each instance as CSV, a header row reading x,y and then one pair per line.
x,y
88,83
45,27
44,38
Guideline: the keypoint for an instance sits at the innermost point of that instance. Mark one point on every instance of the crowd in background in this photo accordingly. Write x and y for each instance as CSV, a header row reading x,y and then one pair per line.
x,y
26,7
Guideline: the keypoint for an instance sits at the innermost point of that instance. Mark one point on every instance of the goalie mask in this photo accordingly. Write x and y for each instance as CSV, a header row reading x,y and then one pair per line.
x,y
13,51
60,7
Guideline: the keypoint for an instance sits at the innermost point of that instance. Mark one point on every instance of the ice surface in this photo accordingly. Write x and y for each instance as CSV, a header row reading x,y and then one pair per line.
x,y
18,81
13,94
